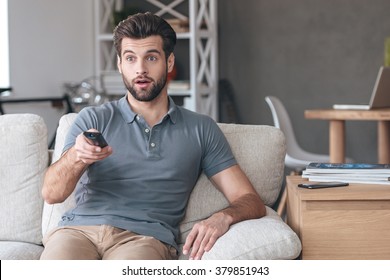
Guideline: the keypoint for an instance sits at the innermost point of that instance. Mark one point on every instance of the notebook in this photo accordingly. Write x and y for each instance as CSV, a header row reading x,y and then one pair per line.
x,y
380,97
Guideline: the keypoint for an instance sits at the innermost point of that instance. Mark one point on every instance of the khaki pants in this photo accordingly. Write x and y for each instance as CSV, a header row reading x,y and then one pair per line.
x,y
103,242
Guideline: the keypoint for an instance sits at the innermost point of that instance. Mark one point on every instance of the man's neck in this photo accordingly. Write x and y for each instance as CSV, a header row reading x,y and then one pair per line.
x,y
152,111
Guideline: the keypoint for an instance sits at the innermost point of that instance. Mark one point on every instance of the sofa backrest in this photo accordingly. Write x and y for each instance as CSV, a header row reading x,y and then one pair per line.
x,y
259,149
52,213
23,161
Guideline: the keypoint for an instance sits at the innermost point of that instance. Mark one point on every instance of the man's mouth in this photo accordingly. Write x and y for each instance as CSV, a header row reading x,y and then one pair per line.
x,y
142,83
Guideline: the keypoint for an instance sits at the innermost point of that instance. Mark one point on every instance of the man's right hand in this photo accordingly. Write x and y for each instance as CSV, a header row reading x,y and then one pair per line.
x,y
61,177
89,153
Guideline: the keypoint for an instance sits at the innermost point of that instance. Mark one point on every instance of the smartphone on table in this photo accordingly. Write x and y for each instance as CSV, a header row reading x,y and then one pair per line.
x,y
322,185
97,138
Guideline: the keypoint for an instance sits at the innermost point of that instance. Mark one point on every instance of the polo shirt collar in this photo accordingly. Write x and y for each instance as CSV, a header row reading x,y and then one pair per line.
x,y
172,111
129,116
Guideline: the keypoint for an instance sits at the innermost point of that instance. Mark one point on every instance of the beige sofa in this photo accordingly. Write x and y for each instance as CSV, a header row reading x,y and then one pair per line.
x,y
25,218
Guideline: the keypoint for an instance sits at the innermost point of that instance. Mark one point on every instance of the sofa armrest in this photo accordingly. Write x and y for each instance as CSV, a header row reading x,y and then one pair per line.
x,y
267,238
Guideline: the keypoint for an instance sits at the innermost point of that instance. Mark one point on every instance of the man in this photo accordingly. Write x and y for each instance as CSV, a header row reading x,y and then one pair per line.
x,y
133,198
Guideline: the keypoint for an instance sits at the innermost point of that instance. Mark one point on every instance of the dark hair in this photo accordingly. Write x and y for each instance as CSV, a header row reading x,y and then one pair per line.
x,y
143,25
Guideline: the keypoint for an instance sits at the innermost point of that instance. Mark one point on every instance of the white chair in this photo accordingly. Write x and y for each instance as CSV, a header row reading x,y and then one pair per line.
x,y
296,157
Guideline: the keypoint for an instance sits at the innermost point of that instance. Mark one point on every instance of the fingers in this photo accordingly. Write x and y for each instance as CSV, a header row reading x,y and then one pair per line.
x,y
195,243
89,153
89,156
210,244
200,240
204,235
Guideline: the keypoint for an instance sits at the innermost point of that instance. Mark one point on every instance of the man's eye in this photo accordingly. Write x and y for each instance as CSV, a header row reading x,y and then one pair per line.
x,y
152,58
130,58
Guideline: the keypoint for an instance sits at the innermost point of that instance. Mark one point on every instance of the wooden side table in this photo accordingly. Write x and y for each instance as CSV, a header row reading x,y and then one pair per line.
x,y
337,119
340,223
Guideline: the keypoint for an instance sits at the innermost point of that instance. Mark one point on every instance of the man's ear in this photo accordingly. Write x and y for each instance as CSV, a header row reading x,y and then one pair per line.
x,y
171,62
118,64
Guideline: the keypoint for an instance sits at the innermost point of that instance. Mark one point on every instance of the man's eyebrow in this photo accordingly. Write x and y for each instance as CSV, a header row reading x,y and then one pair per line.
x,y
153,51
127,51
148,51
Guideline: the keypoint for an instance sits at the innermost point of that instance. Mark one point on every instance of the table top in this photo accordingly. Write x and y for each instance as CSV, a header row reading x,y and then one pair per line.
x,y
352,192
332,114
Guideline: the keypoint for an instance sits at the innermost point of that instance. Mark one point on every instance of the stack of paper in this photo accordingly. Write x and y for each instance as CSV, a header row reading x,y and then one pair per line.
x,y
363,173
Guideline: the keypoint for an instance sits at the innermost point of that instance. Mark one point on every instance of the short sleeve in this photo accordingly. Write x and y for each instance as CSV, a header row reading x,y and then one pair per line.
x,y
86,119
217,154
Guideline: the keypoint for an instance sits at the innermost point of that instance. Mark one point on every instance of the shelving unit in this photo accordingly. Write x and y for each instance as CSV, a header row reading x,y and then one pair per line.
x,y
199,68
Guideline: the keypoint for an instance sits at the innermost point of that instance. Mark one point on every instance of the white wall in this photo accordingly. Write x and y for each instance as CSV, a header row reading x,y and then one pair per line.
x,y
51,42
4,57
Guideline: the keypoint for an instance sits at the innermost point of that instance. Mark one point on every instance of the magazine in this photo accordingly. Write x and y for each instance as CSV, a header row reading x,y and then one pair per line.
x,y
355,168
363,173
348,179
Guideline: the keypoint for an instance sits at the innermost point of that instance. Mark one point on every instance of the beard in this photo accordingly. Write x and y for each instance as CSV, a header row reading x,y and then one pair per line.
x,y
146,95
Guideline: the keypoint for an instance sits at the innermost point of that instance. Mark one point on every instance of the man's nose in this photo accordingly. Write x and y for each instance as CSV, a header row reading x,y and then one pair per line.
x,y
141,68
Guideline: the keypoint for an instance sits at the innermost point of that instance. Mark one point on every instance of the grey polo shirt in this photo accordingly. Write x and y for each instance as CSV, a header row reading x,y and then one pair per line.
x,y
145,184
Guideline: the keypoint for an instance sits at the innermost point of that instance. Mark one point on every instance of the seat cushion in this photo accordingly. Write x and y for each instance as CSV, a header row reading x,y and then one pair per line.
x,y
268,238
23,161
11,250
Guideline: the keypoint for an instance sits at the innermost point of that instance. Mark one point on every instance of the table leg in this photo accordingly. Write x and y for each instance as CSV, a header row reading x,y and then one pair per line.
x,y
337,141
383,141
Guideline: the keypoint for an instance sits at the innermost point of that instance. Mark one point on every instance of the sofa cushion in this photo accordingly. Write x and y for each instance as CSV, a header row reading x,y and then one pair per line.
x,y
23,161
11,250
268,238
52,212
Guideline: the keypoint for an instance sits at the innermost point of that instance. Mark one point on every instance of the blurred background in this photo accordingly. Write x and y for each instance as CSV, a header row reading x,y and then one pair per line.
x,y
309,53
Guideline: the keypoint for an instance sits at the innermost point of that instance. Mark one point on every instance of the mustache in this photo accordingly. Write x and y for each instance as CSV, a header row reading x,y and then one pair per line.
x,y
142,78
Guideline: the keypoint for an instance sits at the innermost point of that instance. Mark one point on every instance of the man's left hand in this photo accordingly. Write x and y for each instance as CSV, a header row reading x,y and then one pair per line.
x,y
204,235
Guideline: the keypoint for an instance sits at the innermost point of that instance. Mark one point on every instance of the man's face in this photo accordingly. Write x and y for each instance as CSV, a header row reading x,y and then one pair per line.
x,y
144,67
